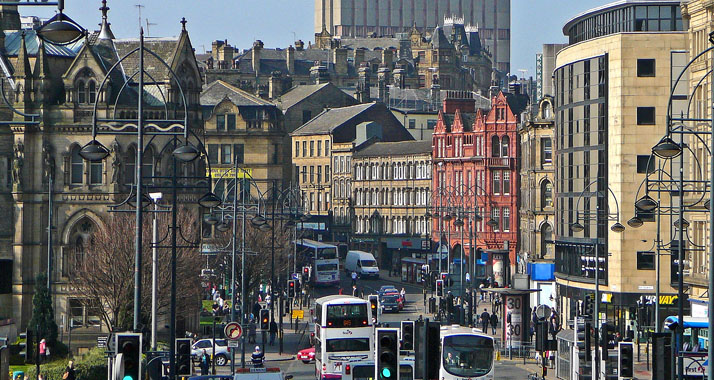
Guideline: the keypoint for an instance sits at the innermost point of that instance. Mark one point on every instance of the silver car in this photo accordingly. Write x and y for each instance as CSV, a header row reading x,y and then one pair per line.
x,y
223,352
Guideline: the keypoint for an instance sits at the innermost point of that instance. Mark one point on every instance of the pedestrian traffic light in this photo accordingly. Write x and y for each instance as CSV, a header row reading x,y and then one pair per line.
x,y
439,288
184,366
583,340
291,288
129,346
374,307
448,281
264,319
306,273
424,274
626,361
387,354
407,335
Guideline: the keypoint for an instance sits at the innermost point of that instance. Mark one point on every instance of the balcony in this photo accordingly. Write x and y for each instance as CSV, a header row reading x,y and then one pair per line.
x,y
500,162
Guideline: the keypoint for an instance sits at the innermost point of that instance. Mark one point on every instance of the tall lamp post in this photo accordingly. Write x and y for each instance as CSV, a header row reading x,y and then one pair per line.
x,y
598,216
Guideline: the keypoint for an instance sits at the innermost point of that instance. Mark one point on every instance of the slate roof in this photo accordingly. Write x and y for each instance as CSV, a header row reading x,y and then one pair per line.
x,y
401,148
32,42
164,47
298,93
331,119
439,40
218,90
370,43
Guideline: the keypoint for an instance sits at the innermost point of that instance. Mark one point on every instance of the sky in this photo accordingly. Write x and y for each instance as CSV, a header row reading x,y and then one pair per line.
x,y
278,23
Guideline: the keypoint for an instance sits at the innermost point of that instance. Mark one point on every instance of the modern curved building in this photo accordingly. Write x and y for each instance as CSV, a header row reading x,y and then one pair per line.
x,y
612,85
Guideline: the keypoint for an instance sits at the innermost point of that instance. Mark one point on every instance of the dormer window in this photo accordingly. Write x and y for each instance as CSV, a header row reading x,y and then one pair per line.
x,y
86,91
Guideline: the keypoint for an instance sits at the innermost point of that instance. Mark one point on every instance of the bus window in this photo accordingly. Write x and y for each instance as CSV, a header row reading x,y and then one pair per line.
x,y
347,315
363,372
406,372
467,355
327,253
326,267
348,345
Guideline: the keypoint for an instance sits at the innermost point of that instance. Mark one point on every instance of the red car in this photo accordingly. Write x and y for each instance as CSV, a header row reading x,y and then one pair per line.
x,y
307,355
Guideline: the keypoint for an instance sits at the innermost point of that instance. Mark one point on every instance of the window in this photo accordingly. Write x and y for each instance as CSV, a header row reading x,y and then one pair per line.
x,y
220,122
312,148
95,172
495,216
304,148
645,260
304,174
645,67
546,194
213,153
412,123
319,174
506,224
77,167
645,115
327,147
225,153
327,173
92,92
495,146
504,146
430,124
506,182
645,164
319,148
306,116
276,151
546,240
238,153
81,93
130,176
546,146
297,149
231,122
312,174
497,182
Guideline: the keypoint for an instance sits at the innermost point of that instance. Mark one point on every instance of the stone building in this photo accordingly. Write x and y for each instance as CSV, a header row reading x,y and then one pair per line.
x,y
390,195
312,153
301,103
536,204
363,18
475,169
612,85
62,84
342,203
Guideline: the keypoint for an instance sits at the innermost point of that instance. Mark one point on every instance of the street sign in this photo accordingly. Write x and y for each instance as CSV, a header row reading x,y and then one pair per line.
x,y
233,331
295,276
233,343
298,314
102,341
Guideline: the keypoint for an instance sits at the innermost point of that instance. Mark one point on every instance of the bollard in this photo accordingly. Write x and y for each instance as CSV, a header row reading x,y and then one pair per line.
x,y
297,322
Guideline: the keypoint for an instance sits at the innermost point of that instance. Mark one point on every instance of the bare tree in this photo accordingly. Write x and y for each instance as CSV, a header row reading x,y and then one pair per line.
x,y
106,274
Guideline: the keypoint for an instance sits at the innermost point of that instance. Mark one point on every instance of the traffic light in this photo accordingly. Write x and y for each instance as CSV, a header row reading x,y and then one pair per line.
x,y
264,319
607,336
129,346
387,354
291,288
582,338
424,273
374,307
408,335
306,273
184,366
439,288
541,332
626,369
588,306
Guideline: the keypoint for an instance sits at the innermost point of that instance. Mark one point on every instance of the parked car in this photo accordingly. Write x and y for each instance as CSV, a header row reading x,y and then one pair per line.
x,y
363,263
223,352
307,355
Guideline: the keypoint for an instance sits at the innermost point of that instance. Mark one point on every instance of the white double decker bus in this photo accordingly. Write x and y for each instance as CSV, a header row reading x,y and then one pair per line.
x,y
323,259
344,334
466,354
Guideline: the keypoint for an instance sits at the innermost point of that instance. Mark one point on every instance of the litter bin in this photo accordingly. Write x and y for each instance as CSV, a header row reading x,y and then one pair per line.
x,y
432,305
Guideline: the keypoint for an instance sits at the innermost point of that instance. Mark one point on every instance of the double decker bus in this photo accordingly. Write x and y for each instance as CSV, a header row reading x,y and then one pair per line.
x,y
466,353
344,334
322,258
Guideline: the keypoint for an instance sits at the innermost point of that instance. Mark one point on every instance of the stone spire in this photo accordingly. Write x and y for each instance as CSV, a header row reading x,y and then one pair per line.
x,y
105,33
42,75
23,75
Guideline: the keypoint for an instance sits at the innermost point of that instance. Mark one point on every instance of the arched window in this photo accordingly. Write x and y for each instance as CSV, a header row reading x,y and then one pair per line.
x,y
546,240
504,146
147,163
495,146
79,237
130,166
92,92
76,167
95,172
546,194
81,94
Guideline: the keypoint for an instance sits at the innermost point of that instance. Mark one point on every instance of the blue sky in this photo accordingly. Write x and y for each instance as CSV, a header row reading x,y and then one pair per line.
x,y
278,22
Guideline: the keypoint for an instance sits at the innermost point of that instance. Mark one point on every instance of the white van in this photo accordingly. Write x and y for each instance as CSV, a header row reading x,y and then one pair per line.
x,y
361,262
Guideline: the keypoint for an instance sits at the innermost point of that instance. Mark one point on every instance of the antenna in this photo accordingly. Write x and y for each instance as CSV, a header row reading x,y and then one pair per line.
x,y
139,6
148,24
523,72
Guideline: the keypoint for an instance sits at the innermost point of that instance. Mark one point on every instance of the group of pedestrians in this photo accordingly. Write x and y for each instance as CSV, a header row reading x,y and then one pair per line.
x,y
488,319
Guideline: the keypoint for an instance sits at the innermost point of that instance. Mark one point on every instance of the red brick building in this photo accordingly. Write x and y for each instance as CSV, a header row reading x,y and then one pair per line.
x,y
475,170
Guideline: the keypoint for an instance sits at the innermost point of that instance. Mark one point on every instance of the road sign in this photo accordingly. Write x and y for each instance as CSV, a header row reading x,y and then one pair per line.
x,y
233,331
295,276
233,343
300,314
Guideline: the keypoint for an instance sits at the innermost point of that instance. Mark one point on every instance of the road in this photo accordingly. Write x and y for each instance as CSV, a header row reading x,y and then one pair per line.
x,y
413,309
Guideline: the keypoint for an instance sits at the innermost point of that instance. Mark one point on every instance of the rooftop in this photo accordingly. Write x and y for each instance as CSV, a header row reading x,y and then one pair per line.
x,y
615,4
216,91
400,148
331,119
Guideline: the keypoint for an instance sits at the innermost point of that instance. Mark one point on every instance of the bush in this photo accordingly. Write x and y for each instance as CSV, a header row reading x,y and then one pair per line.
x,y
91,366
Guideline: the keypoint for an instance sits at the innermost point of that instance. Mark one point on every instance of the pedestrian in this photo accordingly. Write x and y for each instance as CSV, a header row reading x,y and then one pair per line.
x,y
481,292
485,319
252,331
354,278
354,291
273,330
69,371
43,347
403,294
494,322
339,291
258,357
268,300
205,363
256,309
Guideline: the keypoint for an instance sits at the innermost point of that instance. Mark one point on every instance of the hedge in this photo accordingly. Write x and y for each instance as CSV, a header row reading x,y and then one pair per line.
x,y
91,366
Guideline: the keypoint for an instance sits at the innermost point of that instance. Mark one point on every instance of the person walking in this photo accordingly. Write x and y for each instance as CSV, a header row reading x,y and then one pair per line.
x,y
485,319
354,291
403,294
69,372
494,322
354,278
205,363
273,330
252,331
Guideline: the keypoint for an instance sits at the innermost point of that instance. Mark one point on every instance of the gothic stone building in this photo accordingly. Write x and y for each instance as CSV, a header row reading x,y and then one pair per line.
x,y
62,84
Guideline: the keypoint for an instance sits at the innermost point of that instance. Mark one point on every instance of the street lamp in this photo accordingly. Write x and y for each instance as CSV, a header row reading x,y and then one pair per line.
x,y
94,151
209,201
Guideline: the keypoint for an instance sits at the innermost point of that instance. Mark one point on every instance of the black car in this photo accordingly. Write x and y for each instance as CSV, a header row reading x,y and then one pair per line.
x,y
389,302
